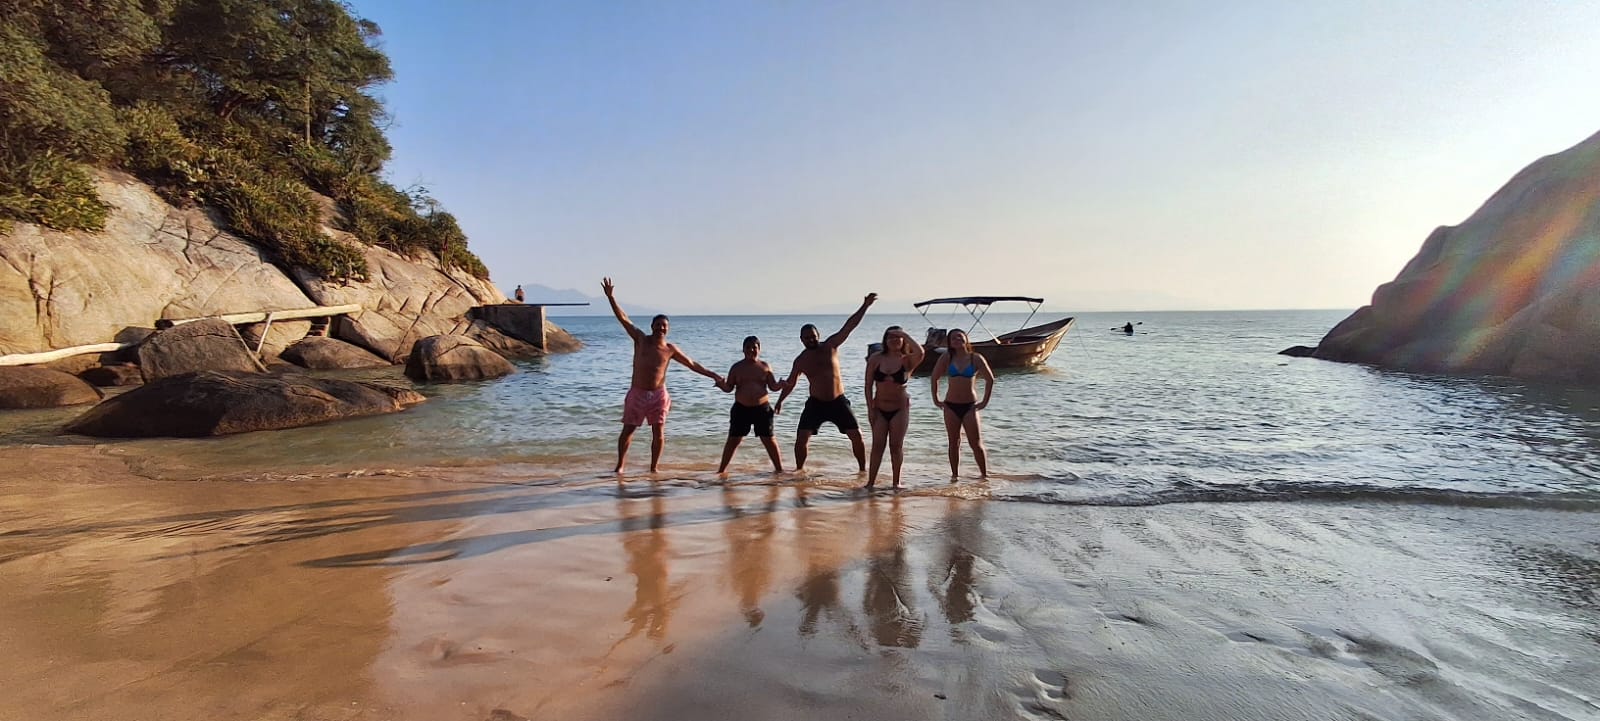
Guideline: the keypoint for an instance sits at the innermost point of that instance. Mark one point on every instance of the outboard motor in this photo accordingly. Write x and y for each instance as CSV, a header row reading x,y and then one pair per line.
x,y
936,338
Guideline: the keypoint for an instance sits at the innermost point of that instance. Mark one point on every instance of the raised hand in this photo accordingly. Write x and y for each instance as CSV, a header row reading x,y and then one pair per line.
x,y
607,286
870,299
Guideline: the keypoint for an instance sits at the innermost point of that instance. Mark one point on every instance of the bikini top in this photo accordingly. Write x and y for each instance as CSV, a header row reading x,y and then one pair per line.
x,y
898,376
970,371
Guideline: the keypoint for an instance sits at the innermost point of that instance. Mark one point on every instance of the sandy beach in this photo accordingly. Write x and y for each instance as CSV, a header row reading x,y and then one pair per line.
x,y
504,593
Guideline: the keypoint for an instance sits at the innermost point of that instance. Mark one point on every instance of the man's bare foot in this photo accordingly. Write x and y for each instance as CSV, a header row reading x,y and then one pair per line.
x,y
653,469
870,485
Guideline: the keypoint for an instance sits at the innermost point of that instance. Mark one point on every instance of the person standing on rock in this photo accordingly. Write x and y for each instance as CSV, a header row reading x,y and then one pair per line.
x,y
648,400
519,296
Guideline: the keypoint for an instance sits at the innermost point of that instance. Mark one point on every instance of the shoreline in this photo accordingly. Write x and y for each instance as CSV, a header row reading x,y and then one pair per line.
x,y
512,592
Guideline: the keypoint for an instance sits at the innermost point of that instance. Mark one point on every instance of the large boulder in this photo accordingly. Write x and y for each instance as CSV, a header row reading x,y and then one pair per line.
x,y
454,358
558,340
153,261
494,339
203,345
27,387
280,334
211,403
321,353
404,299
1513,290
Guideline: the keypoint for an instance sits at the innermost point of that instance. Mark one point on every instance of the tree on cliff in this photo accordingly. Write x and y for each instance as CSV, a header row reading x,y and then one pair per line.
x,y
250,106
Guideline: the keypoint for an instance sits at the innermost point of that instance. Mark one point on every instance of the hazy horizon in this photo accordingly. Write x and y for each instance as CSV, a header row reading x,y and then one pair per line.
x,y
756,158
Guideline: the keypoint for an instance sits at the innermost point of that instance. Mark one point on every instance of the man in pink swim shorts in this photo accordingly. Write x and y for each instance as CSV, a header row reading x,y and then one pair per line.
x,y
648,401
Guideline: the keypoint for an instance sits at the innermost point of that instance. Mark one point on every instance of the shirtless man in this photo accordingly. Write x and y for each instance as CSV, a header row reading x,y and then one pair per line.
x,y
819,363
751,378
648,401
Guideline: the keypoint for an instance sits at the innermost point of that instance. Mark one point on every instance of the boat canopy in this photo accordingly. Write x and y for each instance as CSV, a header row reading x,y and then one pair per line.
x,y
978,306
978,300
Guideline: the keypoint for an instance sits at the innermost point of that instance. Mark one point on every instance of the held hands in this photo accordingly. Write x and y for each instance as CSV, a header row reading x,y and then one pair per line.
x,y
607,286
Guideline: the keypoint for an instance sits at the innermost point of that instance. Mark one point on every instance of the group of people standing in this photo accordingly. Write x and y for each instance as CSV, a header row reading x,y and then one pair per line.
x,y
888,373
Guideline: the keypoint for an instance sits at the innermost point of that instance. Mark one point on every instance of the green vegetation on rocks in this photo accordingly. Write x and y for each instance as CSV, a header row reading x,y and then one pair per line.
x,y
249,106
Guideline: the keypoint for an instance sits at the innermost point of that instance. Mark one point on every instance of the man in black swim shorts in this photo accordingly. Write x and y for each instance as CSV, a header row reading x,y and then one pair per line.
x,y
826,402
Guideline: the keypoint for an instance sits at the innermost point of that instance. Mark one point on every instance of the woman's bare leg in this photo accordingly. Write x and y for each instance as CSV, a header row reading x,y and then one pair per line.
x,y
897,441
952,427
975,439
880,440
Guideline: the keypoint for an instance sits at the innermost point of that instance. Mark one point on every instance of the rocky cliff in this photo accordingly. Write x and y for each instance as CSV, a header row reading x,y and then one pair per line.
x,y
1514,290
155,261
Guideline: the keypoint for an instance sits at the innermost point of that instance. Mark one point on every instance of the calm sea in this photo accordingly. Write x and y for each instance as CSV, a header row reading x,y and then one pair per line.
x,y
1196,406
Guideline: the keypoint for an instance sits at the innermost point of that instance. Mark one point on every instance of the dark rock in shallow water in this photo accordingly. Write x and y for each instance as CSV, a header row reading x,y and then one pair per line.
x,y
25,387
454,358
322,353
118,374
203,345
215,403
1514,290
1298,351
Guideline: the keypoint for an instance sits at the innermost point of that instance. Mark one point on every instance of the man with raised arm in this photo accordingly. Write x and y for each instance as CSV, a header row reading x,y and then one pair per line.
x,y
826,402
648,401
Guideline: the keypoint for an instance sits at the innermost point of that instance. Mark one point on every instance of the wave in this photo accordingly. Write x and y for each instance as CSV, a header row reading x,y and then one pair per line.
x,y
1298,492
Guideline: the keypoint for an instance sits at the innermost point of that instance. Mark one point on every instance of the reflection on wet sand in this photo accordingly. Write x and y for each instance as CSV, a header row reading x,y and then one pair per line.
x,y
887,596
950,579
818,591
644,540
749,534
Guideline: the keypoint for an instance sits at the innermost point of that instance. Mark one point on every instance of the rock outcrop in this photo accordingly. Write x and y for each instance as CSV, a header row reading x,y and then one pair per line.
x,y
203,345
1514,290
406,300
319,353
155,261
442,358
22,387
213,403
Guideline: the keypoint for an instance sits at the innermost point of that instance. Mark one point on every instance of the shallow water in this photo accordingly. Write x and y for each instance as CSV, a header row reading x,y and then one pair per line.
x,y
1193,407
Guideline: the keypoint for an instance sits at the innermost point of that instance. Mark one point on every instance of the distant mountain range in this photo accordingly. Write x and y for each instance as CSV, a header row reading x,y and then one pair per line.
x,y
597,304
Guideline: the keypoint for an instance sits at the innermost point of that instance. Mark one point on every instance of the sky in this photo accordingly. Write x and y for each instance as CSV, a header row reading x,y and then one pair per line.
x,y
787,156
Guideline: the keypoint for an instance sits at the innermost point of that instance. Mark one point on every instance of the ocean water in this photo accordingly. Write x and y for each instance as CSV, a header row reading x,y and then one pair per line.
x,y
1195,406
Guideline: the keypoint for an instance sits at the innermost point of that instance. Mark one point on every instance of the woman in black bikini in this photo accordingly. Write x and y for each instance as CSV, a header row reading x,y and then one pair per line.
x,y
888,404
960,403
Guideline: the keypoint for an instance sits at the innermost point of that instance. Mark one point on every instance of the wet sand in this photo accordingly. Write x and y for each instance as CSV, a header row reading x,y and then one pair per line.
x,y
519,592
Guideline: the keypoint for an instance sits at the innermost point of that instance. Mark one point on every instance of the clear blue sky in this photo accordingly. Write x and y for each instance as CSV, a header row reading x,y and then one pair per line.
x,y
750,156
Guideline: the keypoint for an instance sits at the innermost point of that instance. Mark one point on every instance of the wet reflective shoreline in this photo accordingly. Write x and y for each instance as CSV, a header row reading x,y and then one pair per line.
x,y
454,594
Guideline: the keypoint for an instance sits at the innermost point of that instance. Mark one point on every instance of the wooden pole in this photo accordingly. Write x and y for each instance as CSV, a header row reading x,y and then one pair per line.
x,y
23,359
280,315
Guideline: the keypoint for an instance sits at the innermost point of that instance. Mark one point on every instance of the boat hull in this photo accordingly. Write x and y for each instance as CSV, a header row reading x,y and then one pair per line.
x,y
1026,348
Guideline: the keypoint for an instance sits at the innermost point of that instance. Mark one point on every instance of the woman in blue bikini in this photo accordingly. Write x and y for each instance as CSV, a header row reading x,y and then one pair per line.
x,y
961,404
888,404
